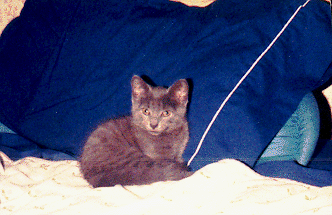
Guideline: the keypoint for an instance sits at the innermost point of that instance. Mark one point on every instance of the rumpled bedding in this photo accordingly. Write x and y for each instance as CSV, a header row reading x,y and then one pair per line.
x,y
38,186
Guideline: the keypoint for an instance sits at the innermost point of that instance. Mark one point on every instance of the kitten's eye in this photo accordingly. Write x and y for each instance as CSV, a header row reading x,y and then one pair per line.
x,y
146,111
166,113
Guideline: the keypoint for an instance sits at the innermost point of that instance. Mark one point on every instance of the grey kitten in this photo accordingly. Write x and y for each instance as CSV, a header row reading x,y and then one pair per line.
x,y
144,147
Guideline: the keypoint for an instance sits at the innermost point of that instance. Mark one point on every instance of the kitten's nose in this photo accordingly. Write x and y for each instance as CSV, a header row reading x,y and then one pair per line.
x,y
153,126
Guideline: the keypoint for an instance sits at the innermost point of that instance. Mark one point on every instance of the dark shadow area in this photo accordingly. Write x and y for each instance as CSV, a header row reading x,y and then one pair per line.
x,y
322,157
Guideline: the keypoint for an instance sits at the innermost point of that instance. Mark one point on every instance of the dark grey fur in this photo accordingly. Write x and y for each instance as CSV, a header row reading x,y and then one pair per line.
x,y
146,146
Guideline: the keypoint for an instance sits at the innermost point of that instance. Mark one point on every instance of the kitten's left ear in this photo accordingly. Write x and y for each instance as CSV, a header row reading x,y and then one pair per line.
x,y
179,91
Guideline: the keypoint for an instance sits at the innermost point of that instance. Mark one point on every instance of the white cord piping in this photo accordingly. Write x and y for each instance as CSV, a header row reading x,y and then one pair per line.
x,y
242,79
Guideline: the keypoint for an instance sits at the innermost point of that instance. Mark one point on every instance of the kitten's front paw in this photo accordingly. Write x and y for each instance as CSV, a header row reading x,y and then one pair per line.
x,y
179,171
188,174
182,175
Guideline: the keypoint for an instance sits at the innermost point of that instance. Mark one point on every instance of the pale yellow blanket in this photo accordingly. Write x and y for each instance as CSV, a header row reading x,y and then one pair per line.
x,y
37,186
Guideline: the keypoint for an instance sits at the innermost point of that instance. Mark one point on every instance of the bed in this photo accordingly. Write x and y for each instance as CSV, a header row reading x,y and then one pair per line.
x,y
64,64
39,186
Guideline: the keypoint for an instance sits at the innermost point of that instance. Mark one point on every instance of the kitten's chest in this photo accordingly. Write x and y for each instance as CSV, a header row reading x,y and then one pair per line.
x,y
163,146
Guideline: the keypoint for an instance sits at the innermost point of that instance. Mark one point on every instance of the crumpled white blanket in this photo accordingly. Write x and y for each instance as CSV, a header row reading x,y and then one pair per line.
x,y
38,186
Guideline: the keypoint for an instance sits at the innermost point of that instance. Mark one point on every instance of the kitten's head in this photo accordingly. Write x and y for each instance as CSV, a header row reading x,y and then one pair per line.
x,y
158,109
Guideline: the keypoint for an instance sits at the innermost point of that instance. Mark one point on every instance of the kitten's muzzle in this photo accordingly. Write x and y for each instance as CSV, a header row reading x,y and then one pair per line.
x,y
153,130
153,125
154,133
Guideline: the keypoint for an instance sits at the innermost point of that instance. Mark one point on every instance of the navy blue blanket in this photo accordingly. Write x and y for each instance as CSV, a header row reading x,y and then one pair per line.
x,y
65,66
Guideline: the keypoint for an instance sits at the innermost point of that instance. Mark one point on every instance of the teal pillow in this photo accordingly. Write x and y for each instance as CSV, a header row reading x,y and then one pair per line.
x,y
298,138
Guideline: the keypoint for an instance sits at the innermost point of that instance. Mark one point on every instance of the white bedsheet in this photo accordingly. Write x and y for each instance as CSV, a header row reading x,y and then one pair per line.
x,y
37,186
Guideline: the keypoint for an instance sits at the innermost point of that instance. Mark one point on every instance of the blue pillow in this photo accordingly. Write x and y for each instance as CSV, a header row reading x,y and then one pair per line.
x,y
66,66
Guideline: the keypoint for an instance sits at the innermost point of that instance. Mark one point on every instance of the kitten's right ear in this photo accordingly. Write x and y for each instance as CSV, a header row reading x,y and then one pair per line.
x,y
139,88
